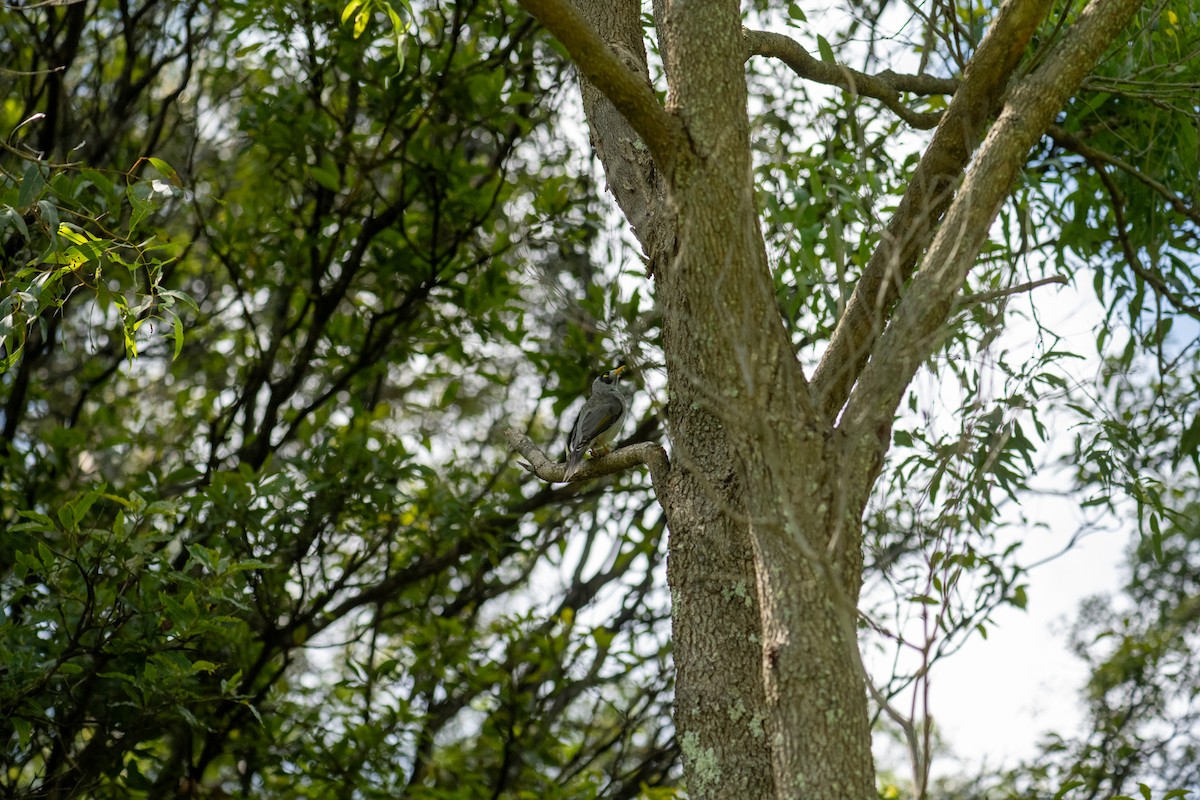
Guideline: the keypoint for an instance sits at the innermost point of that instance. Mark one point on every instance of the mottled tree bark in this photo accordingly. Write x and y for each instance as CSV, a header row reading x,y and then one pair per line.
x,y
719,698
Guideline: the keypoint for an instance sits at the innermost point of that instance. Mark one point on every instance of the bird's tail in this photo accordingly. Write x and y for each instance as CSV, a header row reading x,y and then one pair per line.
x,y
574,462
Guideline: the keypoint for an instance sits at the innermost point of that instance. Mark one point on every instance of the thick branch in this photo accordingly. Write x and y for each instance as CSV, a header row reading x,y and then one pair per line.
x,y
638,187
885,87
648,453
926,200
632,96
914,331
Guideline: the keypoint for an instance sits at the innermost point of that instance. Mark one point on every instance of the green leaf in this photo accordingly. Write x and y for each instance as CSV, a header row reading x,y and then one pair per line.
x,y
825,50
10,217
177,333
33,183
37,516
46,556
1156,536
85,502
399,28
361,20
1066,787
22,728
1189,443
67,518
166,169
248,49
171,295
603,638
48,212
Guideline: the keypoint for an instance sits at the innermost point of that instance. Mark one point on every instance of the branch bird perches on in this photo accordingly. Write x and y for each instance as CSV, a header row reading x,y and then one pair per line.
x,y
541,465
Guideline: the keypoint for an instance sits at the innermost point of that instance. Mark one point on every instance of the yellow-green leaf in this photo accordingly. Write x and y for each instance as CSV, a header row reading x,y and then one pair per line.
x,y
349,10
166,169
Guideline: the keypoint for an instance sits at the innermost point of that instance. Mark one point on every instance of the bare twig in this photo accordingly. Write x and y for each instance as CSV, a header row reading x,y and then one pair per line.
x,y
885,87
43,4
30,73
999,294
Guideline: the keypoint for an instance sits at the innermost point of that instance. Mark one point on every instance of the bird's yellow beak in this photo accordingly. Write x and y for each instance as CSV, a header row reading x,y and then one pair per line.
x,y
617,371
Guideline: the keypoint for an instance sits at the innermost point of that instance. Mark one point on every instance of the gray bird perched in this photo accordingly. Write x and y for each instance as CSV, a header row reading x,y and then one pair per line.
x,y
598,422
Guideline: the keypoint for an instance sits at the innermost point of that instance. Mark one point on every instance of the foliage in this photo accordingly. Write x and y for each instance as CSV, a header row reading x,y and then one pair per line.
x,y
272,549
1141,730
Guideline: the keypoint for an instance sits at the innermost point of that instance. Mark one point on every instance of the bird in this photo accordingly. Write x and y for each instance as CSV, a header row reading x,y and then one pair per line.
x,y
598,422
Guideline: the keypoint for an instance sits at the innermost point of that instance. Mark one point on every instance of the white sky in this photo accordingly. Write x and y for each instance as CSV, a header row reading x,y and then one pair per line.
x,y
995,698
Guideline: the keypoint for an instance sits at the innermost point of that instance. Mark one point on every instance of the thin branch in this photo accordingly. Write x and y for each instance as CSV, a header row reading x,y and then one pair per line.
x,y
885,87
21,73
633,97
916,755
1152,279
647,453
926,200
1076,145
1000,294
43,4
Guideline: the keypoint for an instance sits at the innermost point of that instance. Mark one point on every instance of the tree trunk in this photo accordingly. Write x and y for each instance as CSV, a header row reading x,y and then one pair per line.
x,y
746,718
764,491
724,339
719,697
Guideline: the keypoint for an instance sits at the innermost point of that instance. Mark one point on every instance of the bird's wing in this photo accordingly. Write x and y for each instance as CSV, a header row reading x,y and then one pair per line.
x,y
597,416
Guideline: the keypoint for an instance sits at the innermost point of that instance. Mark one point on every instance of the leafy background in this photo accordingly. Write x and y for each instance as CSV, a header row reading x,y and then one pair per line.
x,y
275,275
